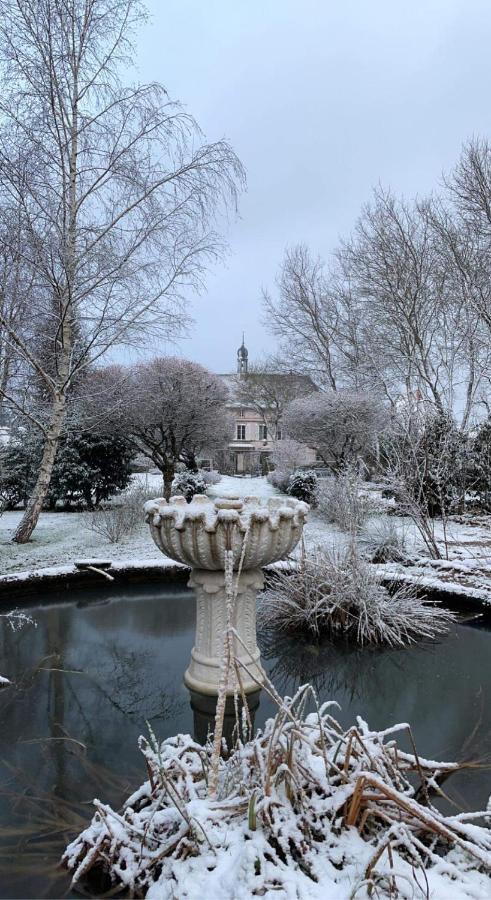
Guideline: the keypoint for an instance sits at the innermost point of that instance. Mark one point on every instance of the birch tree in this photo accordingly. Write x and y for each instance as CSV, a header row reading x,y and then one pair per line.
x,y
116,190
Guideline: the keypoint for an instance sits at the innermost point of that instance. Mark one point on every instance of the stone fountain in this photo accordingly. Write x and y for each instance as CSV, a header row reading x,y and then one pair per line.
x,y
226,541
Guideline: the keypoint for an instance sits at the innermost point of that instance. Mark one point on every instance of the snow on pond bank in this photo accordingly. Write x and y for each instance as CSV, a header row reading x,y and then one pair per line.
x,y
62,538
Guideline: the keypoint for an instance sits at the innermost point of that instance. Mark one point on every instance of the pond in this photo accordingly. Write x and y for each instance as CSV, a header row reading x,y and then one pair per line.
x,y
98,665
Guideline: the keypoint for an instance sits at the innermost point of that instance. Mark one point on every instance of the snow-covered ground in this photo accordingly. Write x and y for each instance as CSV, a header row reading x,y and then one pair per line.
x,y
62,538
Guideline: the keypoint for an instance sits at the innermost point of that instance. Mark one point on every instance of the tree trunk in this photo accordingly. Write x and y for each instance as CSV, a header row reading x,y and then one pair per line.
x,y
35,504
169,472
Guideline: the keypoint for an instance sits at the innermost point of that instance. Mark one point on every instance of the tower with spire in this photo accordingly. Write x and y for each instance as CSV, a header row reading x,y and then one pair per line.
x,y
242,358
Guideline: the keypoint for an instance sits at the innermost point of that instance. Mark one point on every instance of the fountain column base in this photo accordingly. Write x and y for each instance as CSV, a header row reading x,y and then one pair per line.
x,y
203,672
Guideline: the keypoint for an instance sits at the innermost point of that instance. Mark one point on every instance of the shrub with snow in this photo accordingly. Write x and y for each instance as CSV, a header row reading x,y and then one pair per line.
x,y
210,476
119,520
279,480
189,483
382,540
342,502
479,476
303,486
338,593
89,468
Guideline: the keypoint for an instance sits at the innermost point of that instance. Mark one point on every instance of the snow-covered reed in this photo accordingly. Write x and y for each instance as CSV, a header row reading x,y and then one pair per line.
x,y
305,809
342,501
337,592
382,540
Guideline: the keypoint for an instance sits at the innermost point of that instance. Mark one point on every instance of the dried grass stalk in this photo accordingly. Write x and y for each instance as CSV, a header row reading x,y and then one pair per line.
x,y
304,808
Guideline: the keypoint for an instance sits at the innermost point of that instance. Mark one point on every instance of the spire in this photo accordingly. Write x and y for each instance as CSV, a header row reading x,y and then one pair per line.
x,y
242,357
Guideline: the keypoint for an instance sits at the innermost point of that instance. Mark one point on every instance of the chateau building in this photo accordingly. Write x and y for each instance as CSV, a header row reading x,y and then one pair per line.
x,y
257,400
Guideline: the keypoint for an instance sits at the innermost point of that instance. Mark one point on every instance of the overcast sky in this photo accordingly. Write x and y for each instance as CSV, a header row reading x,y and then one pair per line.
x,y
321,101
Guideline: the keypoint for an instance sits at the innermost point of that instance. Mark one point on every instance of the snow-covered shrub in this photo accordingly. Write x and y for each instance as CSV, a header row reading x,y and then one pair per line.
x,y
382,540
306,808
116,521
286,457
89,468
303,486
342,501
210,476
479,477
428,461
189,483
337,592
19,462
279,480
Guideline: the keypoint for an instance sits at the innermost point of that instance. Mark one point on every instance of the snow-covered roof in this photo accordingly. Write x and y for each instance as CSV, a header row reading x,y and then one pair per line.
x,y
303,382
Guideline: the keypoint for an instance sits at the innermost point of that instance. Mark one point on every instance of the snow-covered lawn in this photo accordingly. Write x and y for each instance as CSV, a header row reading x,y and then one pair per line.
x,y
62,538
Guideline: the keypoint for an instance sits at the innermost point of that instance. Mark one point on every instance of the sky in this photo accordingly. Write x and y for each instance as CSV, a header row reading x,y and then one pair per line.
x,y
321,100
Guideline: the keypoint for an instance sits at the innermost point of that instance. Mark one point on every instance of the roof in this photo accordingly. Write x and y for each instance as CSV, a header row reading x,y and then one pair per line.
x,y
304,383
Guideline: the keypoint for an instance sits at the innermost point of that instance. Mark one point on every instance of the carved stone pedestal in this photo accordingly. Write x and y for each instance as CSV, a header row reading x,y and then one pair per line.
x,y
203,672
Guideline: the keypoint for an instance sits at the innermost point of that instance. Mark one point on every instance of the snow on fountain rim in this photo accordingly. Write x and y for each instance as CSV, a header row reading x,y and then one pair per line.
x,y
230,509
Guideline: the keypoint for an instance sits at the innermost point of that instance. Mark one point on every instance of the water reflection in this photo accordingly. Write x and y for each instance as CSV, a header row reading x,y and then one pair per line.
x,y
331,668
204,708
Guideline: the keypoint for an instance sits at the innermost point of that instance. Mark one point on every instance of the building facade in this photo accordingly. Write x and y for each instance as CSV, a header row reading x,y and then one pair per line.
x,y
257,418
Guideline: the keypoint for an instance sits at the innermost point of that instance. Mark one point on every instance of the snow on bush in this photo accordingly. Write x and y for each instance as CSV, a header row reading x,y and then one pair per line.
x,y
383,541
188,484
279,480
286,457
303,486
304,810
342,501
337,592
117,521
342,426
211,476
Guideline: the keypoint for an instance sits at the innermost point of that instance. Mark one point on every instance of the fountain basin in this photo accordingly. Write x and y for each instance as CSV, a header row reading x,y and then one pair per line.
x,y
201,532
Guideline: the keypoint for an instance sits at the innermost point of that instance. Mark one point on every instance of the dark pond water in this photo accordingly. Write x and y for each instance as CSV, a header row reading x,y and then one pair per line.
x,y
97,666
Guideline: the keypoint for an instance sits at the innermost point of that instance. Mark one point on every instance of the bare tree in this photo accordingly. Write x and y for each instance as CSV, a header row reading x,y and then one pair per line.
x,y
115,190
341,426
15,287
304,315
395,311
170,409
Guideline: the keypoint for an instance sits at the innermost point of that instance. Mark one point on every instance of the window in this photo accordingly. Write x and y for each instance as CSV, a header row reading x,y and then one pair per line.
x,y
241,413
263,432
279,434
241,432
